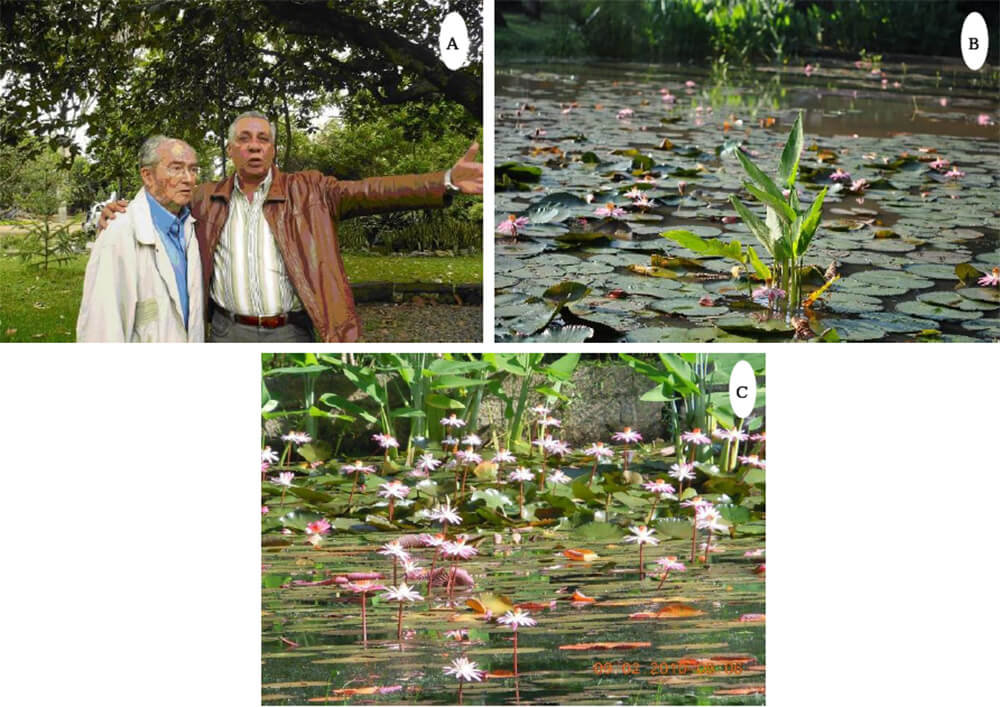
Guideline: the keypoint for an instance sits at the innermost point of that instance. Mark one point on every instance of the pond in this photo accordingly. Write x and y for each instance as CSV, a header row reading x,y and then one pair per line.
x,y
696,649
908,243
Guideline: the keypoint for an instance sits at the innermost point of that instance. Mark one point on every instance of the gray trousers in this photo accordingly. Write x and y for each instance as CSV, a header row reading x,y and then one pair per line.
x,y
224,330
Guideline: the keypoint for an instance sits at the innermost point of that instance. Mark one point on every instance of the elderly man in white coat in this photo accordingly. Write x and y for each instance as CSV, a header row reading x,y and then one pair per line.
x,y
143,281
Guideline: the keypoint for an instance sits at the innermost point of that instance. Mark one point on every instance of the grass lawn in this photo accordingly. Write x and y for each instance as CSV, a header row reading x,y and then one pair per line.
x,y
36,305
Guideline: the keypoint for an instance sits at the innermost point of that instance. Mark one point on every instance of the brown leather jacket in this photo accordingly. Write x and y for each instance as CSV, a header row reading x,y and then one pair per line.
x,y
302,209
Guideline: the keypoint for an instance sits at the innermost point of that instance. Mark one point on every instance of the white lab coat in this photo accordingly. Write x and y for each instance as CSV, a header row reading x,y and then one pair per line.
x,y
130,291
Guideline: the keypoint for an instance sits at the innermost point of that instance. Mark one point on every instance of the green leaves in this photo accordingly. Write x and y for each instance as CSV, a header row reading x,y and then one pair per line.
x,y
789,167
707,247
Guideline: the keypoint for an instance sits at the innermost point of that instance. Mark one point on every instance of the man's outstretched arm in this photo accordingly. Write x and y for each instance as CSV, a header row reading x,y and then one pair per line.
x,y
412,191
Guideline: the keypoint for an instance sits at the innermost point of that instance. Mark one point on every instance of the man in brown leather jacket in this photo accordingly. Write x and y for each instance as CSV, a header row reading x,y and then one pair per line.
x,y
268,239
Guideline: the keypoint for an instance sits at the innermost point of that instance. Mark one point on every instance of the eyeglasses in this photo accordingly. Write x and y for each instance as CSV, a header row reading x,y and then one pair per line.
x,y
178,170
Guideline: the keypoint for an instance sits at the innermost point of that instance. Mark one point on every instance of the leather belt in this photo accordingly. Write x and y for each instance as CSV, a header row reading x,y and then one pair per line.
x,y
271,321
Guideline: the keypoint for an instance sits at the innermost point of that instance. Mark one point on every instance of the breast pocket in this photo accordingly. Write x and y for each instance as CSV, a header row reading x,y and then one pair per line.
x,y
147,314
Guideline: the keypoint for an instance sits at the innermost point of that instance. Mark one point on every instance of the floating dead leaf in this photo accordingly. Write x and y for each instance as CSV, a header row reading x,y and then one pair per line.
x,y
579,596
581,555
666,144
717,661
349,691
752,617
500,674
488,602
767,122
670,611
536,605
289,643
749,690
605,646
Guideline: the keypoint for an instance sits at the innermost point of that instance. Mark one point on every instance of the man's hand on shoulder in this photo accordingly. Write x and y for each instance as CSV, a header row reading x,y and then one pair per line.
x,y
467,175
109,212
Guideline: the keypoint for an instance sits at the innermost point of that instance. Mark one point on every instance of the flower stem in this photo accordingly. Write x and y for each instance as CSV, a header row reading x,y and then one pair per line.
x,y
460,683
640,561
708,546
656,499
399,626
515,650
625,459
694,534
592,472
364,619
520,500
353,488
662,580
392,502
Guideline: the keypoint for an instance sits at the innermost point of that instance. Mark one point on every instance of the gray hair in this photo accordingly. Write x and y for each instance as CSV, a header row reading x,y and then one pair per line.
x,y
149,153
252,114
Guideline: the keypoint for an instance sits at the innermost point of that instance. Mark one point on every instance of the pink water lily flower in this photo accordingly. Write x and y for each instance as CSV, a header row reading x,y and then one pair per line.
x,y
668,97
318,527
453,420
515,619
386,441
269,456
641,535
667,564
427,462
598,450
772,294
472,440
633,193
521,474
840,175
753,460
283,478
559,477
659,487
643,202
540,410
297,437
858,186
627,436
503,456
954,173
467,456
695,436
264,510
991,279
609,209
625,113
808,70
729,435
690,84
464,670
394,489
939,164
512,225
682,471
984,119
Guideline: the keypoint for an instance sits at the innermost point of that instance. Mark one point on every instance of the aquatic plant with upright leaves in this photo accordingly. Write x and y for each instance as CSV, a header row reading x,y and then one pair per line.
x,y
786,231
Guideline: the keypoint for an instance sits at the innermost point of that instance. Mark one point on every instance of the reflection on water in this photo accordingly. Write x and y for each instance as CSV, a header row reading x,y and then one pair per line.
x,y
324,622
837,98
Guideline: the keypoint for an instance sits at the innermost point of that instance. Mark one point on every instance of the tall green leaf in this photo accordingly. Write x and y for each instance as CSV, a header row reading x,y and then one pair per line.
x,y
789,167
708,247
763,181
811,222
763,272
757,227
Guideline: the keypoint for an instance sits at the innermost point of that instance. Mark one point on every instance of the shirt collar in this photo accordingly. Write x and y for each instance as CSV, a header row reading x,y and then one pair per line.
x,y
163,219
262,188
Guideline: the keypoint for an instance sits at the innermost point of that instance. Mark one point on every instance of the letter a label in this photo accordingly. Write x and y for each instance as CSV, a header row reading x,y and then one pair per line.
x,y
454,41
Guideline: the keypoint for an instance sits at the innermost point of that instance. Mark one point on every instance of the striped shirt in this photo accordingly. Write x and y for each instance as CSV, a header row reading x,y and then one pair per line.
x,y
250,276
